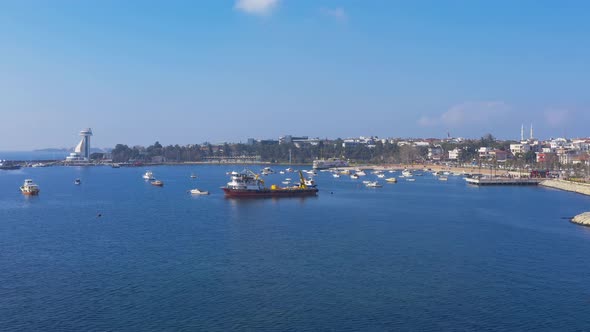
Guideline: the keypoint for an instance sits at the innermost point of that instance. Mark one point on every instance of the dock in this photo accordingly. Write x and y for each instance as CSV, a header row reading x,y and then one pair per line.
x,y
503,181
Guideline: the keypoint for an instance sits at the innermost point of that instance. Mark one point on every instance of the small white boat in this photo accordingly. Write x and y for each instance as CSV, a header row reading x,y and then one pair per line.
x,y
406,173
281,172
148,176
310,183
411,180
29,188
336,175
381,176
193,176
157,183
374,184
391,180
360,173
354,176
77,181
366,182
286,182
198,192
443,178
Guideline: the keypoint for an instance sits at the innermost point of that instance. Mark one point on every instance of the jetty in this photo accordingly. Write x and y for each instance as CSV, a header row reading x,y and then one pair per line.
x,y
487,181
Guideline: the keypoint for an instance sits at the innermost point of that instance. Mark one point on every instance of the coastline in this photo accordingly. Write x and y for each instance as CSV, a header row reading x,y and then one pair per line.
x,y
580,188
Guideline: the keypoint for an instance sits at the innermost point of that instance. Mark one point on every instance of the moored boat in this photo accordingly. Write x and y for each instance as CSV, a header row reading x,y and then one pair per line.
x,y
391,180
249,185
148,176
77,182
197,191
29,188
157,183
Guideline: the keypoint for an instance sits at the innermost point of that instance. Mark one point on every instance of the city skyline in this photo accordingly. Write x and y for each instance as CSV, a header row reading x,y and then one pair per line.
x,y
225,71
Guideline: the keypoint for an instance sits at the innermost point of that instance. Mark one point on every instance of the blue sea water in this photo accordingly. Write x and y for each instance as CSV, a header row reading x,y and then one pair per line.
x,y
33,155
415,256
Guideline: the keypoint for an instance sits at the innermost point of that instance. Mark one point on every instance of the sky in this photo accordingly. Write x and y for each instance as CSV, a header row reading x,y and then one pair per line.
x,y
182,72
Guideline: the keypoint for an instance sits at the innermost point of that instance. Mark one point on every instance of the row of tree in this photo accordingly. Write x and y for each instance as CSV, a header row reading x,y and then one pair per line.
x,y
379,153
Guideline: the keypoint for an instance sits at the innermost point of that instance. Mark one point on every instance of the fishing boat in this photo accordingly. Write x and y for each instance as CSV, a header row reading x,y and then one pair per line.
x,y
157,183
248,184
197,191
148,176
29,188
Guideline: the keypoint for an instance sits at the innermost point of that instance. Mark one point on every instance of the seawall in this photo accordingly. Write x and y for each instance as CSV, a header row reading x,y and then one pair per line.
x,y
580,188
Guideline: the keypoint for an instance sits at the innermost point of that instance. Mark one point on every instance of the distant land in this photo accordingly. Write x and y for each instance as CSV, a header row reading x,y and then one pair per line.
x,y
70,149
53,150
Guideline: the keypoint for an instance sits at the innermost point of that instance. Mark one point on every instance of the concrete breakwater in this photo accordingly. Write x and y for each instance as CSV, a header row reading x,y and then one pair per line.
x,y
580,188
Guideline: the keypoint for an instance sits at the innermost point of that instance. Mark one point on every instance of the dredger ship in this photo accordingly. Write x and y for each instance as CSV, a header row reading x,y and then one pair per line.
x,y
248,184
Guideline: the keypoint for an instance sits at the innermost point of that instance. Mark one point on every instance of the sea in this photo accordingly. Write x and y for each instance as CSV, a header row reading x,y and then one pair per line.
x,y
118,254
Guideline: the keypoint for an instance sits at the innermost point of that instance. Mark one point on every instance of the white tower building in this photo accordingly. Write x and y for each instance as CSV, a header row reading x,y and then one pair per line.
x,y
82,151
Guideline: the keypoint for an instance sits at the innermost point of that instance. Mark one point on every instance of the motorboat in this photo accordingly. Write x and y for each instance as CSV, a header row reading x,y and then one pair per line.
x,y
410,180
381,175
391,180
77,182
148,176
354,176
374,184
443,178
406,173
336,175
197,191
29,188
157,183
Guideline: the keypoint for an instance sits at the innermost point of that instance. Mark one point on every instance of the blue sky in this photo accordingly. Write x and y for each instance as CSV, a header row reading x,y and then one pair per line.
x,y
226,70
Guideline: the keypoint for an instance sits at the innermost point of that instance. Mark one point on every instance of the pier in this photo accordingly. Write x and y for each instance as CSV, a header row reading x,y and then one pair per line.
x,y
503,181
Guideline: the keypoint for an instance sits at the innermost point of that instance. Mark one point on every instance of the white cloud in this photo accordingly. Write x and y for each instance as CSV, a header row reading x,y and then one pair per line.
x,y
467,113
336,13
557,117
256,7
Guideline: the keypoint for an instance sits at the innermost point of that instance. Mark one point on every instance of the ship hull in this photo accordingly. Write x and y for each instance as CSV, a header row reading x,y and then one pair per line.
x,y
30,193
266,193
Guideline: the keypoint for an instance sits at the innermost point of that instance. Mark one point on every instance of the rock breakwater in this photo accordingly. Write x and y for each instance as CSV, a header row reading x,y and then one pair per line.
x,y
582,219
580,188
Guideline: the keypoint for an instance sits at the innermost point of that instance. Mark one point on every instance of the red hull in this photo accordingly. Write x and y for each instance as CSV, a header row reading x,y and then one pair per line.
x,y
269,193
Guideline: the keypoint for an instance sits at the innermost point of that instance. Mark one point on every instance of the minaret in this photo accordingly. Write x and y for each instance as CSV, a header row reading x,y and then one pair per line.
x,y
521,132
532,132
